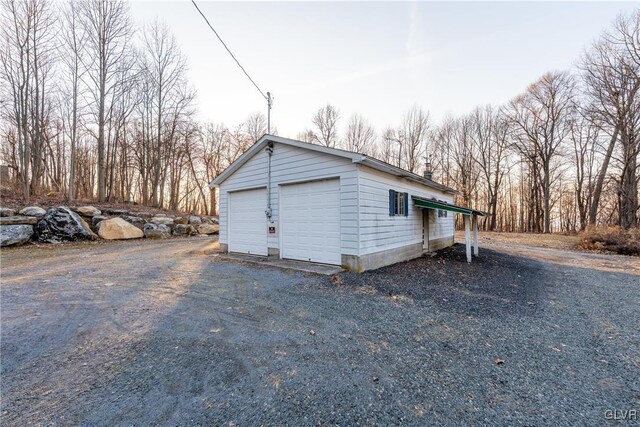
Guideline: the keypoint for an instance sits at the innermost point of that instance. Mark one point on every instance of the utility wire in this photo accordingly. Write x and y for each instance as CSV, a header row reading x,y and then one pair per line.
x,y
225,46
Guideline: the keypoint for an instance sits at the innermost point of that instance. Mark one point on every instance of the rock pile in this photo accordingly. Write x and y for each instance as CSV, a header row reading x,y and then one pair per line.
x,y
64,224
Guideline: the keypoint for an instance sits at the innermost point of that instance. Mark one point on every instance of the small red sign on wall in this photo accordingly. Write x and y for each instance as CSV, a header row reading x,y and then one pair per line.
x,y
272,229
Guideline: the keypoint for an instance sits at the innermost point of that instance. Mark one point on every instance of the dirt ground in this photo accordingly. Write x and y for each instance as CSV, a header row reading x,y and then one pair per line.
x,y
554,248
166,333
555,241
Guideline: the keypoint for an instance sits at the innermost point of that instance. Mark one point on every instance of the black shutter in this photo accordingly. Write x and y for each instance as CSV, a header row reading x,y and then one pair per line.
x,y
392,203
406,204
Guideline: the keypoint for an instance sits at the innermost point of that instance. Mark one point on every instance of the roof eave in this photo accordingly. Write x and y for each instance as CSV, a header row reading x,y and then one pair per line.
x,y
394,170
239,162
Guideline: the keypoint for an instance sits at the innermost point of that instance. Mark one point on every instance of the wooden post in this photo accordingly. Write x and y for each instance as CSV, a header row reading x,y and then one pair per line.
x,y
475,235
467,237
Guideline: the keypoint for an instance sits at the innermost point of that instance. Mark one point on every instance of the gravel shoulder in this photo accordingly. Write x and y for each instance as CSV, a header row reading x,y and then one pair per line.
x,y
148,332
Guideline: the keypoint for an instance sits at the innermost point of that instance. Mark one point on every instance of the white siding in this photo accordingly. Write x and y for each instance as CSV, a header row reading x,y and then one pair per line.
x,y
288,165
378,230
440,227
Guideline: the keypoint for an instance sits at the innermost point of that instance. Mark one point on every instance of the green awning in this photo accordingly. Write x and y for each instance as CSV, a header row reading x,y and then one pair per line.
x,y
437,204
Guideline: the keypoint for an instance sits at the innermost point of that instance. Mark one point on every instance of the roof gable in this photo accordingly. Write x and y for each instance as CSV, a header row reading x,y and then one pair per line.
x,y
354,157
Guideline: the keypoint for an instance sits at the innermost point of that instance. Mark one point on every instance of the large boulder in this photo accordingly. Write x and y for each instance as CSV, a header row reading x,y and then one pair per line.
x,y
15,234
18,219
89,211
36,211
61,224
208,228
156,231
118,229
165,220
134,220
195,220
7,212
184,230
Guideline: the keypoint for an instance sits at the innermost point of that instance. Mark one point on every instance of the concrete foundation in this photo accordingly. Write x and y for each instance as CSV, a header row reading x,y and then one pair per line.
x,y
273,252
376,259
437,244
382,258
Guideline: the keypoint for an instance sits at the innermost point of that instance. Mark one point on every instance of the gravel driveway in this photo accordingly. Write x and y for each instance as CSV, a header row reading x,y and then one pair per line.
x,y
148,332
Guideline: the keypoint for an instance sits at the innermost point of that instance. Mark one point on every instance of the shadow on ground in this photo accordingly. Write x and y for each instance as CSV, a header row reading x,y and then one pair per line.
x,y
165,334
492,284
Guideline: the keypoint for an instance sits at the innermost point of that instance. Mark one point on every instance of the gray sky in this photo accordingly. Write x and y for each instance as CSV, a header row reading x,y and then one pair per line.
x,y
374,58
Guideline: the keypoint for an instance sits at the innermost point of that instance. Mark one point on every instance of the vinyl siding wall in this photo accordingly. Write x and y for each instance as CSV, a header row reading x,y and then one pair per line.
x,y
290,165
378,230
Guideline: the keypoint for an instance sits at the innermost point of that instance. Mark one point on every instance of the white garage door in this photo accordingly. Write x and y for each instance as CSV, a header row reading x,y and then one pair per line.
x,y
310,221
247,222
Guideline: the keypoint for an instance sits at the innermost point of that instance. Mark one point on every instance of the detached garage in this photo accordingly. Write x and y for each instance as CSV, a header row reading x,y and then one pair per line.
x,y
290,199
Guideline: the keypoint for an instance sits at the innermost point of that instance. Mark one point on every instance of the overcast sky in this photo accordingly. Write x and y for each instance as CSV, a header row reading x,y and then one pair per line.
x,y
377,59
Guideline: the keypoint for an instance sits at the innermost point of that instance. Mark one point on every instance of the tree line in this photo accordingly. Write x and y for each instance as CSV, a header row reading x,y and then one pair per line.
x,y
560,156
94,107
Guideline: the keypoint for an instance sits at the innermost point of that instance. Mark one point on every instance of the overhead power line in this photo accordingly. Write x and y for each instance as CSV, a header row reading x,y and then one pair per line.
x,y
268,98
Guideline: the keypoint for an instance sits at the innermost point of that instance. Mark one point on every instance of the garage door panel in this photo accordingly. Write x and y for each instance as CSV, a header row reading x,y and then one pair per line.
x,y
310,221
247,222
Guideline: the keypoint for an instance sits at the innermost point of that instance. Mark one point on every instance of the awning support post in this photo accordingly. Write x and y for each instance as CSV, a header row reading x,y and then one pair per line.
x,y
467,236
475,235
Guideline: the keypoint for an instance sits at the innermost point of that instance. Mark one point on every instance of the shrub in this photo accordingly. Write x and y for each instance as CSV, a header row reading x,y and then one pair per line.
x,y
612,239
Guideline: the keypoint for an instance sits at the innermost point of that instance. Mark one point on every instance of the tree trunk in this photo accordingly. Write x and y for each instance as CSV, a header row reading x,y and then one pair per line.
x,y
597,192
628,185
546,194
214,209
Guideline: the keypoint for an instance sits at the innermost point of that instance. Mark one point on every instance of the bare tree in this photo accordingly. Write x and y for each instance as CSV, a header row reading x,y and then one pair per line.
x,y
412,135
214,141
443,138
307,136
28,52
541,119
326,123
387,147
256,126
463,155
610,70
17,23
72,54
108,30
584,136
489,131
164,69
360,136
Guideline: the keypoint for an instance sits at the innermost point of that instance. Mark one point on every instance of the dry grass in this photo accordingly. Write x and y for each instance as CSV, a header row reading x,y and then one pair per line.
x,y
611,239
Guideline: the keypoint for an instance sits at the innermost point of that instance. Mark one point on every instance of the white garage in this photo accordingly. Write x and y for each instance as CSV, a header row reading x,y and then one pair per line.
x,y
290,199
310,221
247,224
